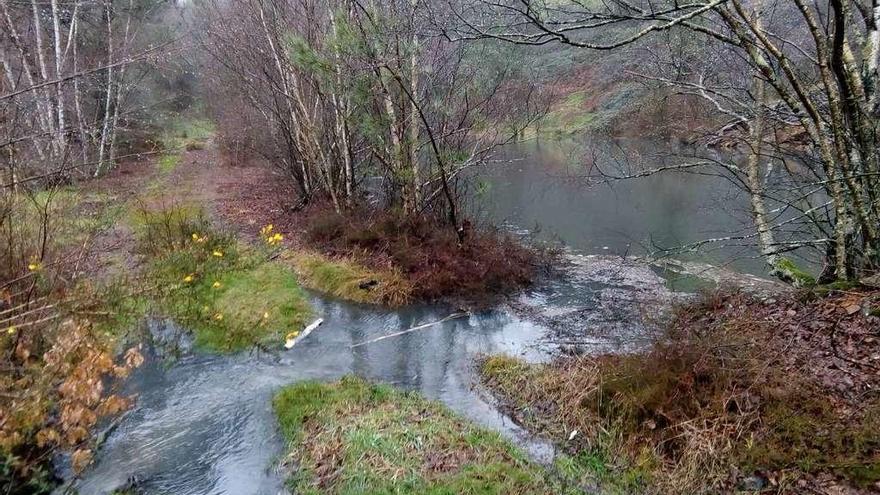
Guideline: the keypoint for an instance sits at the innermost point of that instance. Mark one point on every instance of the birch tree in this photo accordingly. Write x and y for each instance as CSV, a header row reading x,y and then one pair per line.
x,y
814,73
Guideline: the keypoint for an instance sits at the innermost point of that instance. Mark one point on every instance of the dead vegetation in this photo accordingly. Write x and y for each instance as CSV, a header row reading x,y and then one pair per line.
x,y
737,395
59,337
427,253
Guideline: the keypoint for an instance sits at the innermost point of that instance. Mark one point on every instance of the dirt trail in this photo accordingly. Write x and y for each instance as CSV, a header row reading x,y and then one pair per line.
x,y
239,197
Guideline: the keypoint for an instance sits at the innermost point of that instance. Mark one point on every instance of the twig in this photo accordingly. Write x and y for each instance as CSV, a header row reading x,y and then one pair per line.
x,y
453,316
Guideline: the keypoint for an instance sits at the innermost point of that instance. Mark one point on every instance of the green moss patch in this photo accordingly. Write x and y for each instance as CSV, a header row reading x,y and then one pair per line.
x,y
346,279
789,272
227,293
354,437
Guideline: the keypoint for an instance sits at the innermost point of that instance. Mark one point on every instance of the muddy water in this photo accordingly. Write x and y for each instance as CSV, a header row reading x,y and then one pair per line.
x,y
203,424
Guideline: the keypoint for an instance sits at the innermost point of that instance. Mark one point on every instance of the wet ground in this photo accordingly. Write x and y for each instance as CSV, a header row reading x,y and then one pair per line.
x,y
203,424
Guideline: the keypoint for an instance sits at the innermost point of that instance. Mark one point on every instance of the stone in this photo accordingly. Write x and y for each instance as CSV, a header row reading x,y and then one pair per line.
x,y
752,484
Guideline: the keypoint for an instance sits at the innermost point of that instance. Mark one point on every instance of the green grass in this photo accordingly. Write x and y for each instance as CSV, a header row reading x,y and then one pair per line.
x,y
349,280
167,163
227,293
597,467
187,134
352,437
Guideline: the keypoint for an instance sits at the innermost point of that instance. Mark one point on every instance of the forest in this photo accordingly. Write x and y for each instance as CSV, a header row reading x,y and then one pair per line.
x,y
439,246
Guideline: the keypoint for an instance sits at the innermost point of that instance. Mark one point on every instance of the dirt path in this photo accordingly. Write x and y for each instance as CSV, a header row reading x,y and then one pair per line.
x,y
239,197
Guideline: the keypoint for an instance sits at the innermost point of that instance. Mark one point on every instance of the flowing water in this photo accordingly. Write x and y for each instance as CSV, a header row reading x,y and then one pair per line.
x,y
203,424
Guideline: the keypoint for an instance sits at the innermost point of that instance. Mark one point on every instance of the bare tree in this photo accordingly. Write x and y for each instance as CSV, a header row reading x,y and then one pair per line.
x,y
347,88
812,73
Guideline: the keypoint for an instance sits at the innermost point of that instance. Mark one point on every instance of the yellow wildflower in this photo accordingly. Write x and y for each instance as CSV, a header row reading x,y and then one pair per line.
x,y
265,231
195,236
34,266
10,330
266,315
216,284
218,316
189,278
218,254
274,239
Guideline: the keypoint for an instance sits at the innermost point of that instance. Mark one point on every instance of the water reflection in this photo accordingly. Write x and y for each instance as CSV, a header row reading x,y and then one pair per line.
x,y
543,187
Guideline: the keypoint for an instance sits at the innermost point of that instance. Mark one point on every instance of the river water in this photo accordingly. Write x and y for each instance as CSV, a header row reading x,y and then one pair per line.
x,y
203,424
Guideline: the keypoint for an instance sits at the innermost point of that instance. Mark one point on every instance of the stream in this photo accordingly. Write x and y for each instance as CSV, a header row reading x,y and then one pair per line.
x,y
203,424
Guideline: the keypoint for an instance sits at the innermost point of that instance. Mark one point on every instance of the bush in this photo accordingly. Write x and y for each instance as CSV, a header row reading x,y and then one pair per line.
x,y
226,293
426,252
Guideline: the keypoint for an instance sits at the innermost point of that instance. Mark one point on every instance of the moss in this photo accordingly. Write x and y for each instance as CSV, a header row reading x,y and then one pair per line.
x,y
823,290
353,437
802,430
789,272
346,279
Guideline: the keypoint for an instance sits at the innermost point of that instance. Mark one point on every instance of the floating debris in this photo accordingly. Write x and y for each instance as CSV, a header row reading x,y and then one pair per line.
x,y
294,337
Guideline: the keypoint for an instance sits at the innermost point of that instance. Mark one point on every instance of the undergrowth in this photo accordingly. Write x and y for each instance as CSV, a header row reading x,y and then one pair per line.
x,y
227,293
59,337
426,252
354,437
676,417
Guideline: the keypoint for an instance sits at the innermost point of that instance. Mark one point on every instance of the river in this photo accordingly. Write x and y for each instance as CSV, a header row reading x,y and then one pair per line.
x,y
203,424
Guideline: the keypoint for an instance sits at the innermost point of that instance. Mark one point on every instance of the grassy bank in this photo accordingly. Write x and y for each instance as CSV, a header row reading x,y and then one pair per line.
x,y
227,292
736,395
353,437
347,279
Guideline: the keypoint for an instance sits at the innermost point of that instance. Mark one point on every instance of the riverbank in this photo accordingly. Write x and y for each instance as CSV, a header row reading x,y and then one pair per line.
x,y
188,237
378,256
355,437
737,394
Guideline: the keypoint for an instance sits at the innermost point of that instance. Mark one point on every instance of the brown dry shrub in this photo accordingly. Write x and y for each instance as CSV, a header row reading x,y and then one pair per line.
x,y
56,363
427,251
712,394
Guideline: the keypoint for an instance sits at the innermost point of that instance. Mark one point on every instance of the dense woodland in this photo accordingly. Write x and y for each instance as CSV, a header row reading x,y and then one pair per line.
x,y
373,117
